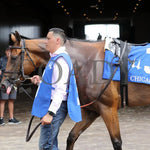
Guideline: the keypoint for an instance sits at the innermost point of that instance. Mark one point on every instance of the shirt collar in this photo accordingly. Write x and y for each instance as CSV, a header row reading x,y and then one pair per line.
x,y
61,49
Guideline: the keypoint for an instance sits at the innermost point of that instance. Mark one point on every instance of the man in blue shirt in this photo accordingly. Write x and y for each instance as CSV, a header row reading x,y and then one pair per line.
x,y
57,93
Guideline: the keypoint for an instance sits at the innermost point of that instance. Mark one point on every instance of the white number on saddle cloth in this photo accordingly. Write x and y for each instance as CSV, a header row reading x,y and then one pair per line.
x,y
147,68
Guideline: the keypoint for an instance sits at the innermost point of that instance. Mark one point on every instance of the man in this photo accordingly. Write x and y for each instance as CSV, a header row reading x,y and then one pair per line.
x,y
99,36
5,96
57,93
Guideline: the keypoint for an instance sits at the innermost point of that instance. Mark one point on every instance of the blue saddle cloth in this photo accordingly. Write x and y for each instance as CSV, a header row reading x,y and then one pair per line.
x,y
138,65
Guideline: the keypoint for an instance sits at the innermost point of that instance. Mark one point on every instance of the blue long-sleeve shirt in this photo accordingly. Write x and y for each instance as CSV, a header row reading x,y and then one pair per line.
x,y
3,63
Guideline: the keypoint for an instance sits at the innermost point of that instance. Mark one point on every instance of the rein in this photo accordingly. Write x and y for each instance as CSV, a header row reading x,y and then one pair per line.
x,y
110,79
82,106
23,50
29,135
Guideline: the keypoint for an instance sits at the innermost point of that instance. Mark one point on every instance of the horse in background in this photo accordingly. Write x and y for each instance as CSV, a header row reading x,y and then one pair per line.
x,y
88,60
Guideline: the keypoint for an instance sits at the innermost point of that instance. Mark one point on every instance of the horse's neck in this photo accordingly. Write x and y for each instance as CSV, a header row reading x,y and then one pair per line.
x,y
79,51
38,51
87,58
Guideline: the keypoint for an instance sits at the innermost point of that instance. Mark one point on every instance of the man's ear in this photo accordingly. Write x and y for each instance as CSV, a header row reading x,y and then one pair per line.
x,y
58,40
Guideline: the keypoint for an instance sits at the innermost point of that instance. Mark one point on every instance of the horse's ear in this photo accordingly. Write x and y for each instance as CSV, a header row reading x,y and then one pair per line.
x,y
12,38
18,37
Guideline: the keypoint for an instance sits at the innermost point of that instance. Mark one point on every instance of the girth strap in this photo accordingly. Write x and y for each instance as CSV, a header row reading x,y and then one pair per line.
x,y
124,73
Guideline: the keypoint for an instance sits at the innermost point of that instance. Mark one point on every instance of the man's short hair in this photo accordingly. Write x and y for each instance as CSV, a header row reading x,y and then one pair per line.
x,y
60,32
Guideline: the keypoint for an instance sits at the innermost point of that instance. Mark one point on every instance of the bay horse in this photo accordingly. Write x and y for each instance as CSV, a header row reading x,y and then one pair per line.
x,y
88,60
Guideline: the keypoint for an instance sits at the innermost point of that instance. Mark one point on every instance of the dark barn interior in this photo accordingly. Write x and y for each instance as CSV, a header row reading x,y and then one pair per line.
x,y
33,18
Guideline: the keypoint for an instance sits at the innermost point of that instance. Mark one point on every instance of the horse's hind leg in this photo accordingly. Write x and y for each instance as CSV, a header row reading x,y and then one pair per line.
x,y
110,117
87,118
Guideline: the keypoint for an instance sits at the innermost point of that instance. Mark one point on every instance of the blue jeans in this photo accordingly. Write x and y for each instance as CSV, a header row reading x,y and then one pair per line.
x,y
49,133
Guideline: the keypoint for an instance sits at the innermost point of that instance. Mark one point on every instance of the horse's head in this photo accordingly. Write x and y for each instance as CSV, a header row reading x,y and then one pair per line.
x,y
14,68
26,55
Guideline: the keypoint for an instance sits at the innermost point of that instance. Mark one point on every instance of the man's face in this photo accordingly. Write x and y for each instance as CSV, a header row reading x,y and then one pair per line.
x,y
51,43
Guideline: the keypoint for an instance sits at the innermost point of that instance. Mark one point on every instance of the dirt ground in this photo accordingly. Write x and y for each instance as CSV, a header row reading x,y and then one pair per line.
x,y
134,125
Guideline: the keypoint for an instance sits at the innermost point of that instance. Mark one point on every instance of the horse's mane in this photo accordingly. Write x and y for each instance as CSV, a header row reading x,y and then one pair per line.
x,y
11,42
82,40
69,39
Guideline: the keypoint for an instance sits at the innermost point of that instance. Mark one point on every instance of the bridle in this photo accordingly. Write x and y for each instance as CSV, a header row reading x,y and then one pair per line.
x,y
21,76
24,77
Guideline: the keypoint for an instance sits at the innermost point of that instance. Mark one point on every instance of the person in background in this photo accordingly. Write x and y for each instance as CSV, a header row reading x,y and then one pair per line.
x,y
4,97
52,101
99,36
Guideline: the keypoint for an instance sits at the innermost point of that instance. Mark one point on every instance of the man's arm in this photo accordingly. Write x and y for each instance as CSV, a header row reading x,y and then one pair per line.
x,y
61,85
60,89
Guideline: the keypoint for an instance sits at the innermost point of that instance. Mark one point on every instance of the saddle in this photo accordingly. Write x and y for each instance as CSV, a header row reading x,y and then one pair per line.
x,y
120,51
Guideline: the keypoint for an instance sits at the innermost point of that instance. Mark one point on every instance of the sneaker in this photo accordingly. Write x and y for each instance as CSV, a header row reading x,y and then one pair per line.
x,y
2,122
14,121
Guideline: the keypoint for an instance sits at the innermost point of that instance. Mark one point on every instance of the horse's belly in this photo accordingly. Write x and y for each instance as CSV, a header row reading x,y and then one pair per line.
x,y
138,94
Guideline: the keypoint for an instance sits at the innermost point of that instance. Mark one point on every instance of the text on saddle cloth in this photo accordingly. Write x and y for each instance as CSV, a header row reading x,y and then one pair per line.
x,y
138,62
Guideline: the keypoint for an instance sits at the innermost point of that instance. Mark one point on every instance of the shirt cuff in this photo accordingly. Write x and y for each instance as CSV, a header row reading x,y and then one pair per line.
x,y
55,104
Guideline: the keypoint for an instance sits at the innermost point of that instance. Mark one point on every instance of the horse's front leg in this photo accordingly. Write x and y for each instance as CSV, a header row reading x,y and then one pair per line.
x,y
87,118
110,117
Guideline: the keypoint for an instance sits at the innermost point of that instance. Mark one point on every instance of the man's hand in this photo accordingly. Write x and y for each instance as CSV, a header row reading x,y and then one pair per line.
x,y
36,79
47,119
0,72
